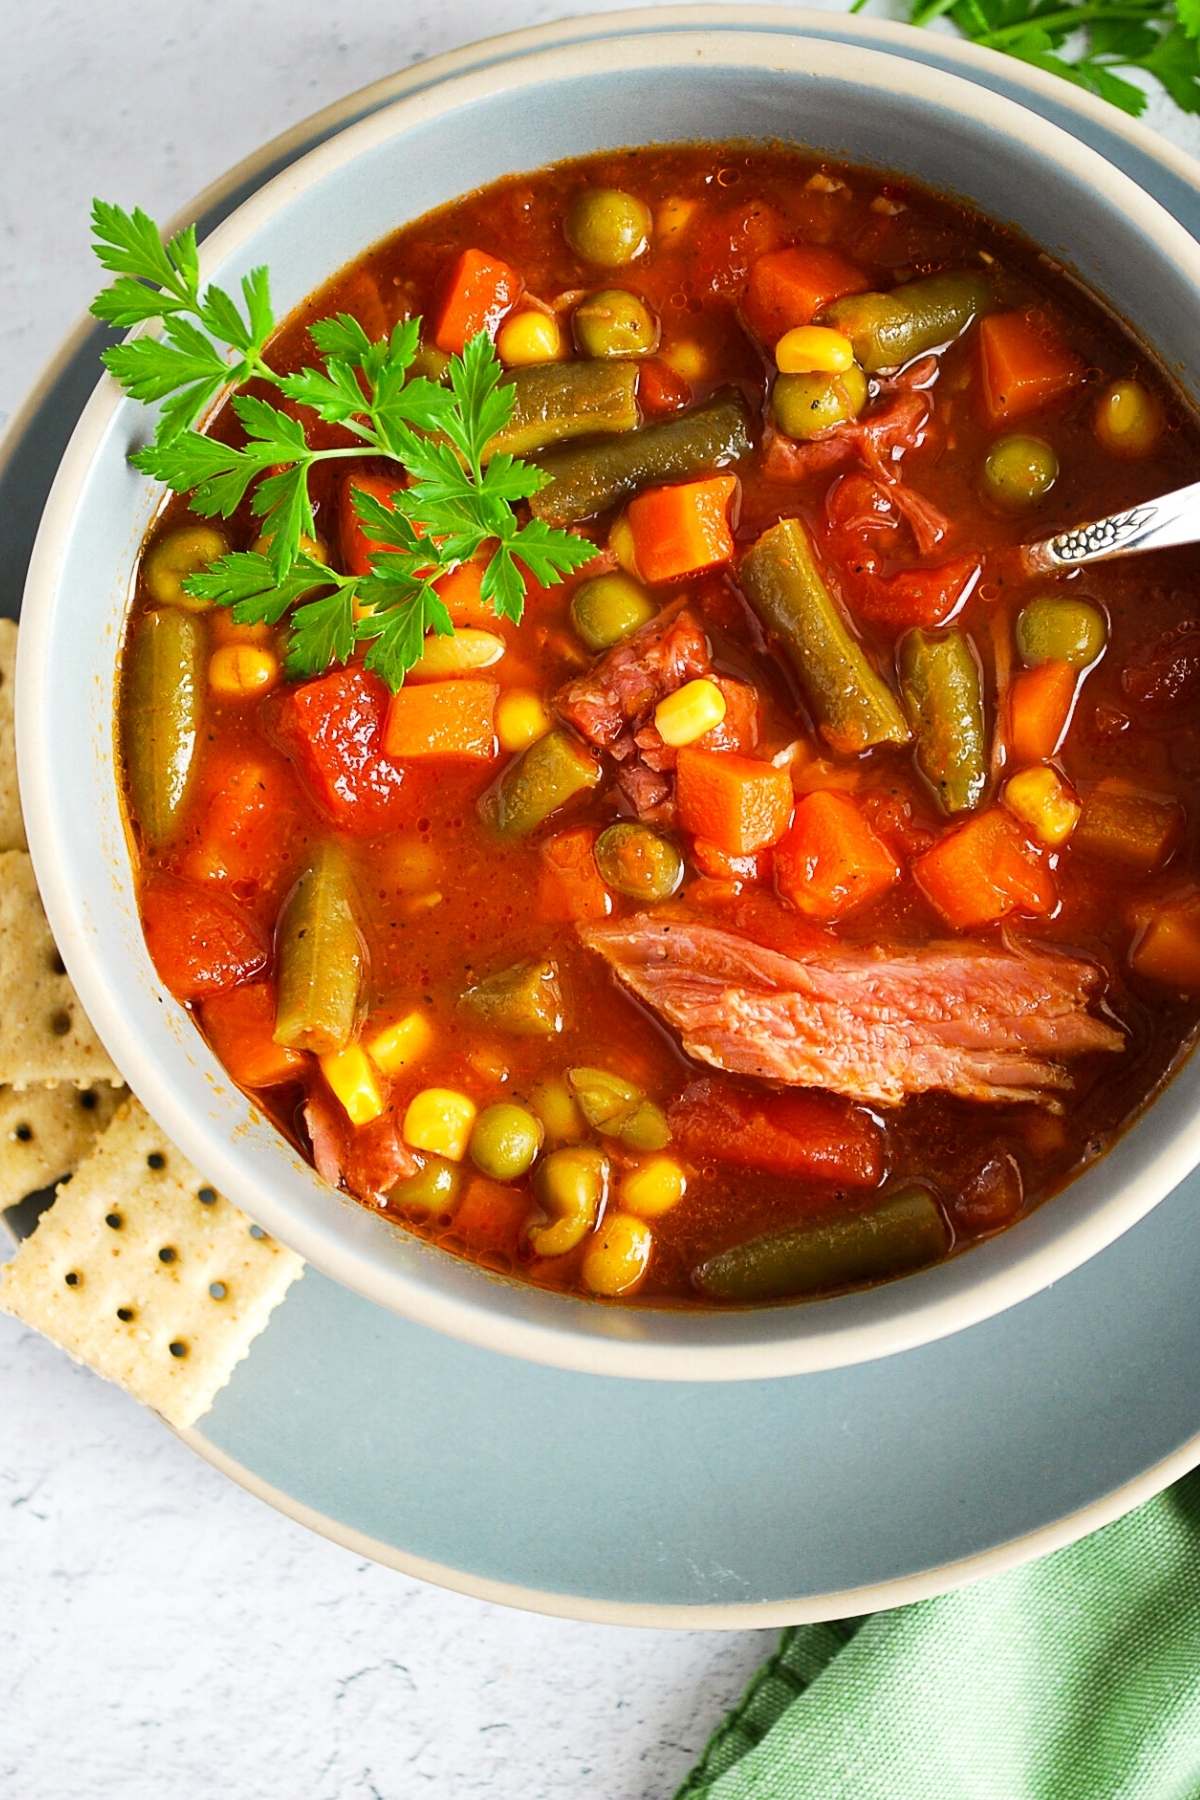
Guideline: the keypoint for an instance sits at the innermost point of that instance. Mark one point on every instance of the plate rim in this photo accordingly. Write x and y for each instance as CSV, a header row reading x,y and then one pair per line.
x,y
970,60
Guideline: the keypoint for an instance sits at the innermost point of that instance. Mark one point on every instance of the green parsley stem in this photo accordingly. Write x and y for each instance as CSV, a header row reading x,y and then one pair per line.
x,y
1071,17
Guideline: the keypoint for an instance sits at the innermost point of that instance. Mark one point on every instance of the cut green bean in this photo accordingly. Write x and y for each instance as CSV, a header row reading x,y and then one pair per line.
x,y
557,401
162,715
587,478
543,778
890,329
320,959
850,701
943,692
905,1232
525,1000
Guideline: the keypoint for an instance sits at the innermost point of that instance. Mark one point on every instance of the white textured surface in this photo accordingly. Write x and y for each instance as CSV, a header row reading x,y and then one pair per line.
x,y
162,1635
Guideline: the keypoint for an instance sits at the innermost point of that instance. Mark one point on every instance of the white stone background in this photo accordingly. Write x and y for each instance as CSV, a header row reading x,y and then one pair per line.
x,y
163,1636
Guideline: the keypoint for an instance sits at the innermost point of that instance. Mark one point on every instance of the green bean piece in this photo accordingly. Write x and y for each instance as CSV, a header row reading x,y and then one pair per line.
x,y
1053,628
942,689
612,322
587,478
162,719
552,771
177,555
609,608
890,329
616,1108
607,227
433,1189
525,1000
637,861
907,1231
505,1140
806,405
850,701
431,362
556,401
1019,471
319,957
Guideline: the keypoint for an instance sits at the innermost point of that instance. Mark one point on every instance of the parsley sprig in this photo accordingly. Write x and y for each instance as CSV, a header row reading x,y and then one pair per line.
x,y
452,502
1093,43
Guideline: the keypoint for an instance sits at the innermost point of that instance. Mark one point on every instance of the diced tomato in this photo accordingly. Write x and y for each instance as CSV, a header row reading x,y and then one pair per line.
x,y
832,861
570,886
1025,365
480,291
490,1217
737,803
199,940
1169,675
726,245
332,728
861,508
984,870
924,597
360,296
816,1136
738,730
246,810
790,287
240,1025
660,389
357,548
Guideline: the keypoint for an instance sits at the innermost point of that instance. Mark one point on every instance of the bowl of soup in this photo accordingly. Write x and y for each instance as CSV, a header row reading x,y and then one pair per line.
x,y
758,956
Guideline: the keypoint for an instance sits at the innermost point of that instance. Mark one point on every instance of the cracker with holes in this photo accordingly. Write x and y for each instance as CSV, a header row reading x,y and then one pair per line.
x,y
46,1131
12,828
145,1273
44,1033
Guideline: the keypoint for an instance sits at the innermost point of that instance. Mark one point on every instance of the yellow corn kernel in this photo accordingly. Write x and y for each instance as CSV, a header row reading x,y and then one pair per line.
x,y
1042,801
399,1045
311,546
530,337
354,1082
440,1119
458,652
620,542
619,1256
653,1188
673,218
239,671
813,350
521,718
1128,419
689,712
687,358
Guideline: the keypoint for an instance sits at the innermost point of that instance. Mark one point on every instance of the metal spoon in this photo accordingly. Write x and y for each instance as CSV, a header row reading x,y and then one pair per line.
x,y
1153,525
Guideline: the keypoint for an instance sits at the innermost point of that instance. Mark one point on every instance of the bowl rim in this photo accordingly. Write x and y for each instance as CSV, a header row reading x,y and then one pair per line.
x,y
563,1341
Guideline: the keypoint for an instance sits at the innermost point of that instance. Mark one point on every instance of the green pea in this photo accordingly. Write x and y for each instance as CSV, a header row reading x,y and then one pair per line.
x,y
614,322
1054,628
607,227
433,1189
505,1140
638,861
1019,471
806,405
608,609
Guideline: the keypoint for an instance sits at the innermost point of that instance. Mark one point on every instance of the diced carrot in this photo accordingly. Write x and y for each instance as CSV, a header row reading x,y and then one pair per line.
x,y
240,1026
922,597
660,389
461,593
480,290
245,808
490,1217
1040,703
198,940
735,802
444,719
814,1135
831,860
682,529
571,886
790,287
1167,946
984,870
1025,365
361,297
332,728
1122,824
720,865
357,548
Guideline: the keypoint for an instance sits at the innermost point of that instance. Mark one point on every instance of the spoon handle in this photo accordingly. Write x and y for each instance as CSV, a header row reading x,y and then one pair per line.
x,y
1152,525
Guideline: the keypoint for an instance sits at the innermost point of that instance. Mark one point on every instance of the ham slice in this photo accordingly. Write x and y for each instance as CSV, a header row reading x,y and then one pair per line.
x,y
367,1161
876,1024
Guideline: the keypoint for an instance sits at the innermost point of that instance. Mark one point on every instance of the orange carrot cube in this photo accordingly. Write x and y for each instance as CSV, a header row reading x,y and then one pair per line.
x,y
832,861
735,802
680,530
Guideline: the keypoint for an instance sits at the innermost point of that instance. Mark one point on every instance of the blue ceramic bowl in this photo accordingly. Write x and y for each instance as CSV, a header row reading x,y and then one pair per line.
x,y
420,152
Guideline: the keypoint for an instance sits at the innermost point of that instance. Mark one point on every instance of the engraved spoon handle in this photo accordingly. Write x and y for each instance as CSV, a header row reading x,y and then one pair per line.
x,y
1153,525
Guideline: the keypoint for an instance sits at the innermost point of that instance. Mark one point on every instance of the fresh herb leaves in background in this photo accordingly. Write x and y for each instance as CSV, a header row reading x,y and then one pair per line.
x,y
454,507
1088,42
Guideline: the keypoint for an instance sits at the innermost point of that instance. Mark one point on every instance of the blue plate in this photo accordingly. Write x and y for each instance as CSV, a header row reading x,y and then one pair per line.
x,y
702,1505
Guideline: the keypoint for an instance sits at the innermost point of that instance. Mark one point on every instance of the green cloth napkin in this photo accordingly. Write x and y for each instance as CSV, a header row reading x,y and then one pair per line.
x,y
1074,1678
